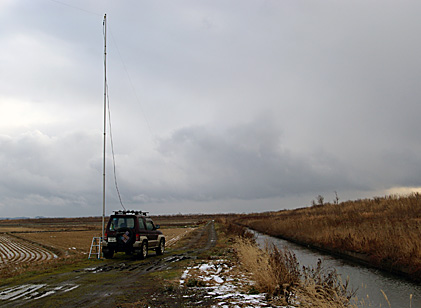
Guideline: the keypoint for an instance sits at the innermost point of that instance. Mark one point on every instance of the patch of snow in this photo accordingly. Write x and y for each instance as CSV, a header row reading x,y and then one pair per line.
x,y
184,275
225,284
70,289
19,291
33,291
45,294
205,267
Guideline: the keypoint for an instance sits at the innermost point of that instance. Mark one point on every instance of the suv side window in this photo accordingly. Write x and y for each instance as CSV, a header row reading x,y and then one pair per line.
x,y
149,225
141,224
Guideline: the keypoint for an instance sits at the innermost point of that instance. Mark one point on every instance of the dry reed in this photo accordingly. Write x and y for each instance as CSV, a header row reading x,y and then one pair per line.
x,y
387,230
276,272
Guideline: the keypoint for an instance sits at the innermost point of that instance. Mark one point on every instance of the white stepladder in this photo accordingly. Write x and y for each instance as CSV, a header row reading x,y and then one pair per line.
x,y
95,247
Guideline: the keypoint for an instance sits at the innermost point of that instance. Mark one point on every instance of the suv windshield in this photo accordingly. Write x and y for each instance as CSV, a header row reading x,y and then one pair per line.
x,y
121,222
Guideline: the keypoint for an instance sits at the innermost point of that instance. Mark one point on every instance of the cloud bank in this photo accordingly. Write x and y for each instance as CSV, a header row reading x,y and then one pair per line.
x,y
216,106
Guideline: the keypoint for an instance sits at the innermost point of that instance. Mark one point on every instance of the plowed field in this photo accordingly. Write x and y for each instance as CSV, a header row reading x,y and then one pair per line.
x,y
15,251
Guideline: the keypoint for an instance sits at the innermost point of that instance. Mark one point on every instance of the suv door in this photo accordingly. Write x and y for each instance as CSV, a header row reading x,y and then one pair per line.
x,y
142,227
151,233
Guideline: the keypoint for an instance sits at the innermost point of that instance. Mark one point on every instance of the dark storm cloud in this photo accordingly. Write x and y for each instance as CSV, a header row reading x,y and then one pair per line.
x,y
248,161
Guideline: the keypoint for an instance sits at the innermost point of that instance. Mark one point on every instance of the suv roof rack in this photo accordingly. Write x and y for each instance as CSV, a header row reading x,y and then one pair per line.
x,y
128,212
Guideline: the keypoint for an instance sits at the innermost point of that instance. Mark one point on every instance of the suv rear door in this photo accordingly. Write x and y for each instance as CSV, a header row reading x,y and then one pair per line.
x,y
151,233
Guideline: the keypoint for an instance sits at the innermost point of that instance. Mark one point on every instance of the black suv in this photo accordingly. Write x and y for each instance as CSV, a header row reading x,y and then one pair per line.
x,y
132,232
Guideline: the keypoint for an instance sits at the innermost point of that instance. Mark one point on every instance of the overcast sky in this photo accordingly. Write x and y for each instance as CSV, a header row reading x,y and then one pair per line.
x,y
216,106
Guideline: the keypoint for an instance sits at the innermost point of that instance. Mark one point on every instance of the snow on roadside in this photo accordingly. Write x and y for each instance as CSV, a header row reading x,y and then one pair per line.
x,y
224,283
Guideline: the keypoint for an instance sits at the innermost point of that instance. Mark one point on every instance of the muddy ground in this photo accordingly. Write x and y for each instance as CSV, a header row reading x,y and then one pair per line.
x,y
120,282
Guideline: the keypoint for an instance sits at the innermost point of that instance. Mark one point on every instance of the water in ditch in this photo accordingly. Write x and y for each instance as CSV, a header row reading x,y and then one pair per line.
x,y
367,282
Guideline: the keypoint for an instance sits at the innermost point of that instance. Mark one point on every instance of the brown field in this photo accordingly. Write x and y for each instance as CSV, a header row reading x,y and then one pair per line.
x,y
387,231
32,241
79,242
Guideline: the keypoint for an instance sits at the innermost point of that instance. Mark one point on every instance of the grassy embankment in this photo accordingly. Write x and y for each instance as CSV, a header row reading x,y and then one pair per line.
x,y
384,232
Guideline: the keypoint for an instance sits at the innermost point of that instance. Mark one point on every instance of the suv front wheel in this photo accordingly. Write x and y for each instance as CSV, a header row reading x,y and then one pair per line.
x,y
160,249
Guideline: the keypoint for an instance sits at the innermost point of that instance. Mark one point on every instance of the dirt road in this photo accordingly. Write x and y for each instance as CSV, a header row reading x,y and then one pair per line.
x,y
120,282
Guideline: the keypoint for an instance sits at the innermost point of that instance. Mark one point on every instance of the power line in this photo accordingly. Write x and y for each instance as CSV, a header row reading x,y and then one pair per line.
x,y
107,98
76,8
131,84
112,149
171,176
143,114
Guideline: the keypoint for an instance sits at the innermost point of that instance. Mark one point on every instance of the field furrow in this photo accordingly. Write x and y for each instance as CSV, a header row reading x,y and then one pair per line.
x,y
16,251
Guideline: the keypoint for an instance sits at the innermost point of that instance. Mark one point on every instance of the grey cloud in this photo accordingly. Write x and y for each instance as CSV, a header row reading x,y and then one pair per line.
x,y
188,83
51,171
248,162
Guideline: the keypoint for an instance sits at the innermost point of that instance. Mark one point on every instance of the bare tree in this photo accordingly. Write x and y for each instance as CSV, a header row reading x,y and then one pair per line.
x,y
336,201
320,199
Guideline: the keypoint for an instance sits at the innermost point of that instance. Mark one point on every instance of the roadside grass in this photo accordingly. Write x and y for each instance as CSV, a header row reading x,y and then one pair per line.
x,y
277,273
170,275
387,230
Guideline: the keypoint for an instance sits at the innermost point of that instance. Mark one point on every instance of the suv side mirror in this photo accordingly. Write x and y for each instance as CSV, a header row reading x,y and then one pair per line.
x,y
157,226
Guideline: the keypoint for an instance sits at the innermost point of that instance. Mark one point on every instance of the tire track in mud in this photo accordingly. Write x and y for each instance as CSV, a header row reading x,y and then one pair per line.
x,y
102,292
206,234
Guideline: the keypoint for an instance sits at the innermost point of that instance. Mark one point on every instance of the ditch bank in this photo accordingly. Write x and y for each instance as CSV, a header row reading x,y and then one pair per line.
x,y
385,265
370,284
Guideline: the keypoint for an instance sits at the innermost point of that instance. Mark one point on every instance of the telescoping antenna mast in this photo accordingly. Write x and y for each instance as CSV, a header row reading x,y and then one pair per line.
x,y
105,123
96,245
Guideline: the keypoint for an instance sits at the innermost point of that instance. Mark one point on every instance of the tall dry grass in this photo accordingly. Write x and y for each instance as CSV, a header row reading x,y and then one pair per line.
x,y
387,229
277,273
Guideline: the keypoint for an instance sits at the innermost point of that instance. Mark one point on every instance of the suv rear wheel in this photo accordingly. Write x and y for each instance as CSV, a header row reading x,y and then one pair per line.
x,y
143,250
108,254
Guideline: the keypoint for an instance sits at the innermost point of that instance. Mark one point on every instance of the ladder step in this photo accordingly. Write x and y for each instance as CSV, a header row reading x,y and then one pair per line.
x,y
95,247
